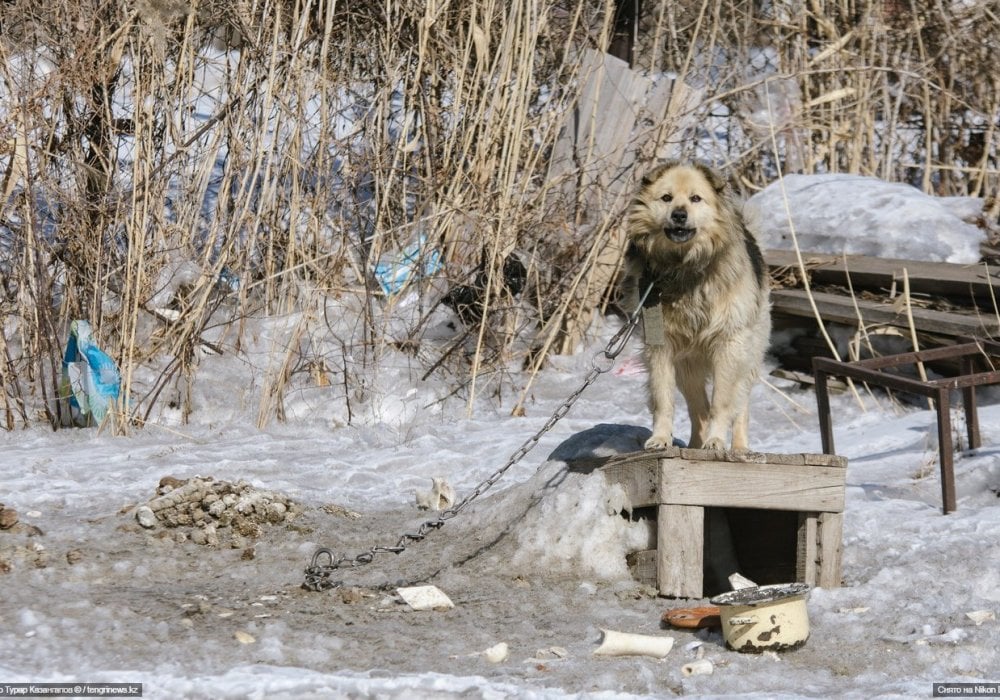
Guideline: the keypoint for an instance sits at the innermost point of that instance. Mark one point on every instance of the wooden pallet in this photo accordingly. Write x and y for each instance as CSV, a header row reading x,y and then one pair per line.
x,y
970,290
681,483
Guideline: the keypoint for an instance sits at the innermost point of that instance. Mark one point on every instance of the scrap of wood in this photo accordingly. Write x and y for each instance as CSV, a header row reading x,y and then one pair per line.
x,y
841,309
969,282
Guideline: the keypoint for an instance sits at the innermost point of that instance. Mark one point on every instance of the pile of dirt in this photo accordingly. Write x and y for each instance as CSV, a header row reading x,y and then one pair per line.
x,y
209,512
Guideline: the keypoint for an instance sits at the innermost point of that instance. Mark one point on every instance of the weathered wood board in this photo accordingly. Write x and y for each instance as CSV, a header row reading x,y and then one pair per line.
x,y
962,282
844,309
770,486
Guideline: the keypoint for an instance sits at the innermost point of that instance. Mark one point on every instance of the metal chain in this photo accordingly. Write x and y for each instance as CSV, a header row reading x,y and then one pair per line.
x,y
318,574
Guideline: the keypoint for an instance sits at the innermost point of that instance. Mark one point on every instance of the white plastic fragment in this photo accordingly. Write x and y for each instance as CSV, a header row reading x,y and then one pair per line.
x,y
244,637
629,644
440,497
425,598
497,653
738,581
981,616
701,667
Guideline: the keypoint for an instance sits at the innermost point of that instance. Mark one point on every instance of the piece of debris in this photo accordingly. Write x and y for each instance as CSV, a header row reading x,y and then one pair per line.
x,y
425,598
200,507
340,511
244,637
981,616
74,556
146,517
8,517
628,644
693,618
738,581
440,497
497,653
701,667
551,653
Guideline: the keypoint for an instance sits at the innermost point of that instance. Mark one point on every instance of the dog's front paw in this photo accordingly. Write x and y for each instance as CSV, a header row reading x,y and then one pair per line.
x,y
714,444
658,442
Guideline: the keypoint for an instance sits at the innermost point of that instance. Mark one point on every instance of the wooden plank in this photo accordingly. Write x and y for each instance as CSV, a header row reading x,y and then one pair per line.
x,y
807,550
775,486
656,455
680,566
841,309
639,477
824,460
968,282
830,535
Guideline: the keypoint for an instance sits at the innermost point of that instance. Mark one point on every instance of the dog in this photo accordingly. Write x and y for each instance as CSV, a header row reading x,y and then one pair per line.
x,y
687,238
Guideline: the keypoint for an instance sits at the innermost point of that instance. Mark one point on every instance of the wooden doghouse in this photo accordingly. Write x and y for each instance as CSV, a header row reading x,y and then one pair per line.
x,y
795,498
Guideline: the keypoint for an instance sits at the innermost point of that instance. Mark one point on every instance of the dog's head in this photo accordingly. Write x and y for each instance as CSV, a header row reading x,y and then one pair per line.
x,y
678,207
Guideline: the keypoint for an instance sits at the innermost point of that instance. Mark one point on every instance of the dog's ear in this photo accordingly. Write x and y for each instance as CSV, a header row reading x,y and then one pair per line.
x,y
715,179
654,174
657,172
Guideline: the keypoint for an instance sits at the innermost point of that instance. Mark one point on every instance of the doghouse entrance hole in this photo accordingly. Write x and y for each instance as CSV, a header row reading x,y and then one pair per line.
x,y
765,543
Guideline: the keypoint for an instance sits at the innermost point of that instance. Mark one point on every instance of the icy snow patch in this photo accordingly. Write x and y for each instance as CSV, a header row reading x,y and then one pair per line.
x,y
864,216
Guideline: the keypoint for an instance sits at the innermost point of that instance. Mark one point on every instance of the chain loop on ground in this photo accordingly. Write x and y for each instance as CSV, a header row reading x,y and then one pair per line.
x,y
319,577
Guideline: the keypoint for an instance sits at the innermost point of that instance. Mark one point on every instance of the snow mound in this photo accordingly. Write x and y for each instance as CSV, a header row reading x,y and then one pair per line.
x,y
865,216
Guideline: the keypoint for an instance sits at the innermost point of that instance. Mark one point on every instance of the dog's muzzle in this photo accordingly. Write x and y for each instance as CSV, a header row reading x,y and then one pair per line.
x,y
677,229
679,234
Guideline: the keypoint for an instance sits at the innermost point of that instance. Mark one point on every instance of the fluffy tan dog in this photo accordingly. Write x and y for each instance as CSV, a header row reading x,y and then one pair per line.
x,y
687,238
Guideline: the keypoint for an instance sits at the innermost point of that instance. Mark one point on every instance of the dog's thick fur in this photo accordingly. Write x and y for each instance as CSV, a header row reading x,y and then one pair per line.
x,y
687,238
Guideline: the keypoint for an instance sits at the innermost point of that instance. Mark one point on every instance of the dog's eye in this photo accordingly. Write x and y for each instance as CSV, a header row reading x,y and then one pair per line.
x,y
668,198
695,198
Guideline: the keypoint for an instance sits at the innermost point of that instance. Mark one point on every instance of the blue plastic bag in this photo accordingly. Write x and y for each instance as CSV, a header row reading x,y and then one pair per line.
x,y
90,378
394,271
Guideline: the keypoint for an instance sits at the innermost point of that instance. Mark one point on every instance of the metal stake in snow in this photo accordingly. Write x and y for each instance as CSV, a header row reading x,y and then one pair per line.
x,y
325,562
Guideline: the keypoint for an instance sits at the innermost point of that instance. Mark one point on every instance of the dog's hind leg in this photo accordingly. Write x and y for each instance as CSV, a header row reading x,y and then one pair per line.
x,y
691,378
741,431
662,387
732,381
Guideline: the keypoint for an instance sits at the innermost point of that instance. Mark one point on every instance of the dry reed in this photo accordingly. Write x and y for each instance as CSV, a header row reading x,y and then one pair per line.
x,y
172,171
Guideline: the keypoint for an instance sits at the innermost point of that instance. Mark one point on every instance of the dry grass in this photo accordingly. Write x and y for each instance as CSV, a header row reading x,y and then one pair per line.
x,y
155,153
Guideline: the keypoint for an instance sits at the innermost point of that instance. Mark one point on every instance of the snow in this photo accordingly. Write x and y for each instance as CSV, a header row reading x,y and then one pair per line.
x,y
857,215
900,622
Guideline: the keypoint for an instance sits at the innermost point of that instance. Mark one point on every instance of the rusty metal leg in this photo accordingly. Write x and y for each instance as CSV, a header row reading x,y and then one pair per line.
x,y
946,452
969,404
823,409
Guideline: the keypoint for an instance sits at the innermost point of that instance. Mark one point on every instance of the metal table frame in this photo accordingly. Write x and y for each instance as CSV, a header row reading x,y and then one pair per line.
x,y
870,371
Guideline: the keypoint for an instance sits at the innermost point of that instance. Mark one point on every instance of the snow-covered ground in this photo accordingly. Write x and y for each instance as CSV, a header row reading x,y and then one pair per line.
x,y
538,563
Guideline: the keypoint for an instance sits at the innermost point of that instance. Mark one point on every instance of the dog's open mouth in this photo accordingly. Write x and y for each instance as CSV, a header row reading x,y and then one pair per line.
x,y
679,234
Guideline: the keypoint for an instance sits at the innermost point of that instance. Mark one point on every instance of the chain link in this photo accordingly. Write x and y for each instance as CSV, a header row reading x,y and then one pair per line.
x,y
318,575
